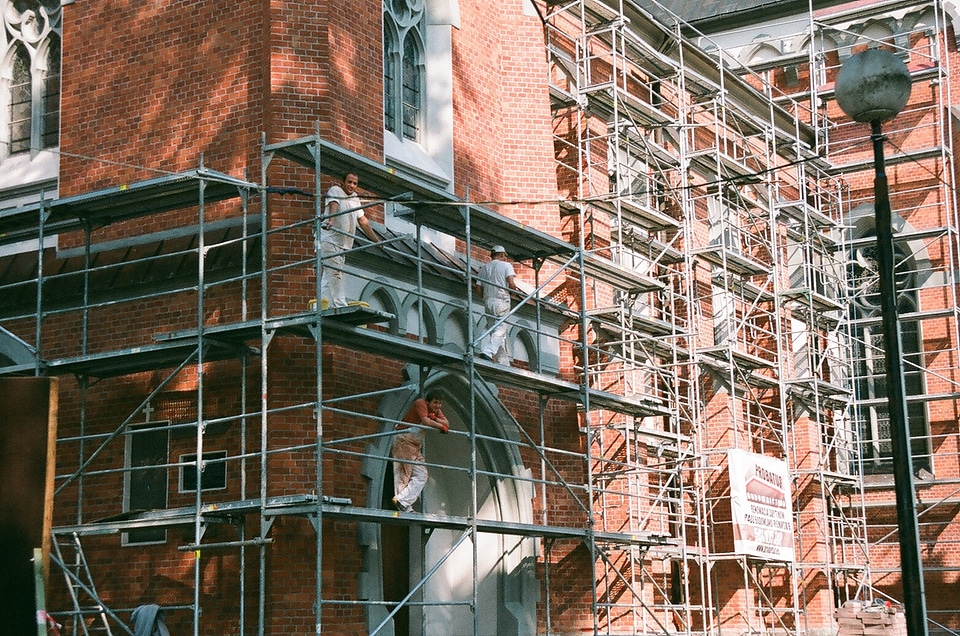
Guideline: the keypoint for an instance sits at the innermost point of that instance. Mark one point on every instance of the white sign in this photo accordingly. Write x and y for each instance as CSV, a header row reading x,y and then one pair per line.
x,y
761,506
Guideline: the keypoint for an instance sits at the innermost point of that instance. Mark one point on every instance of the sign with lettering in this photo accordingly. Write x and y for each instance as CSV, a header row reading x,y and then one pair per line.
x,y
761,506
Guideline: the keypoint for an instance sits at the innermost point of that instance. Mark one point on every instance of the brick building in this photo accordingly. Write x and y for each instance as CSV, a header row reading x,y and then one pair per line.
x,y
691,433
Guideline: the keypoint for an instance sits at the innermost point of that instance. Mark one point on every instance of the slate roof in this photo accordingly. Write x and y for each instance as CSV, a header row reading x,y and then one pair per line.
x,y
710,16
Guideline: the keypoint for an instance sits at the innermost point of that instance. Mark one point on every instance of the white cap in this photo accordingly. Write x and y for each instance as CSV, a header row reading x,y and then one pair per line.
x,y
497,249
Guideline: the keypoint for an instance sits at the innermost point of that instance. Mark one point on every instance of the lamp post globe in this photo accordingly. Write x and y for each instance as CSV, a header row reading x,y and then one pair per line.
x,y
873,85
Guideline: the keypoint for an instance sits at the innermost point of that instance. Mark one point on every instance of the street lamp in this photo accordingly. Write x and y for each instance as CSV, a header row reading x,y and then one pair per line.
x,y
874,86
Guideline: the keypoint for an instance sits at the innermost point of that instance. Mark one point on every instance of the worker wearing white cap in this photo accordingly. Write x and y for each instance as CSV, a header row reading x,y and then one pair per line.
x,y
495,280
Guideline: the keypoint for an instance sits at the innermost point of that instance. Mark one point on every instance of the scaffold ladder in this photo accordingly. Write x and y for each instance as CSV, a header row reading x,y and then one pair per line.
x,y
68,555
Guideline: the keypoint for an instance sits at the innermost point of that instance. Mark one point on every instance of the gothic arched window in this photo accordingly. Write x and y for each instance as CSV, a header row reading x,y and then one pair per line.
x,y
50,76
403,68
21,96
31,77
870,354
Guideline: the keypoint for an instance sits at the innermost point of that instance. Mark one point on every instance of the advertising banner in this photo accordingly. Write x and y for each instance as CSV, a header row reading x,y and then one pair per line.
x,y
761,506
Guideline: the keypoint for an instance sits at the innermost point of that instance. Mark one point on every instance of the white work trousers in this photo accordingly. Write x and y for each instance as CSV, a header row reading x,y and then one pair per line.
x,y
495,343
331,277
409,476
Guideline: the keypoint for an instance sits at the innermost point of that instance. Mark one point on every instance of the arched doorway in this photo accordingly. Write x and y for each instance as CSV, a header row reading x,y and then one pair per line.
x,y
433,565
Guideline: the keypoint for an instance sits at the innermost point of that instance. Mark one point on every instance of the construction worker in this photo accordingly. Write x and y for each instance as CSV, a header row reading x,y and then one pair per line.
x,y
410,473
494,280
341,216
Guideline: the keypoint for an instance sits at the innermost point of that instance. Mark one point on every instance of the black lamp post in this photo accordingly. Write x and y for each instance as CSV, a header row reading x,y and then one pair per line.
x,y
874,86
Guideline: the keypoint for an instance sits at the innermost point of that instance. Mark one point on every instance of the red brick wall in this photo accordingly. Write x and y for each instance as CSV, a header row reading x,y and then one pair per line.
x,y
181,81
155,87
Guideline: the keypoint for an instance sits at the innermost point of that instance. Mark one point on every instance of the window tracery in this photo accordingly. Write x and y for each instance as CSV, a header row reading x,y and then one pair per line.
x,y
403,67
871,362
31,76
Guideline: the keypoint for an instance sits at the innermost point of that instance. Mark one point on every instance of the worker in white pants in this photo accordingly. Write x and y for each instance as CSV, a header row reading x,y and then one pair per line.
x,y
494,281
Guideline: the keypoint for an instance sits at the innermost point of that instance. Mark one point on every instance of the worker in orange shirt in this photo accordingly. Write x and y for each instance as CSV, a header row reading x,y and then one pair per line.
x,y
409,471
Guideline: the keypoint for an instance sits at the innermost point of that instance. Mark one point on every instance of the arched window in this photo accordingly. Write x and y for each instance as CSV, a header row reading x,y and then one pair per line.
x,y
412,95
870,354
50,76
403,67
31,77
390,64
418,94
21,97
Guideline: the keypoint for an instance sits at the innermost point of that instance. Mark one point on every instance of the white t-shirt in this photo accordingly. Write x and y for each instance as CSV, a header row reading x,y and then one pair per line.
x,y
493,277
343,226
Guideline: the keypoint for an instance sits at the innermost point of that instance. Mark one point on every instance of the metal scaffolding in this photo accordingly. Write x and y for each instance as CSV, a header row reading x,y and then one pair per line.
x,y
702,307
754,202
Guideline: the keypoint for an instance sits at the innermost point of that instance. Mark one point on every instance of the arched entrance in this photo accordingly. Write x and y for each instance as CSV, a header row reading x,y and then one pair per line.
x,y
435,565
